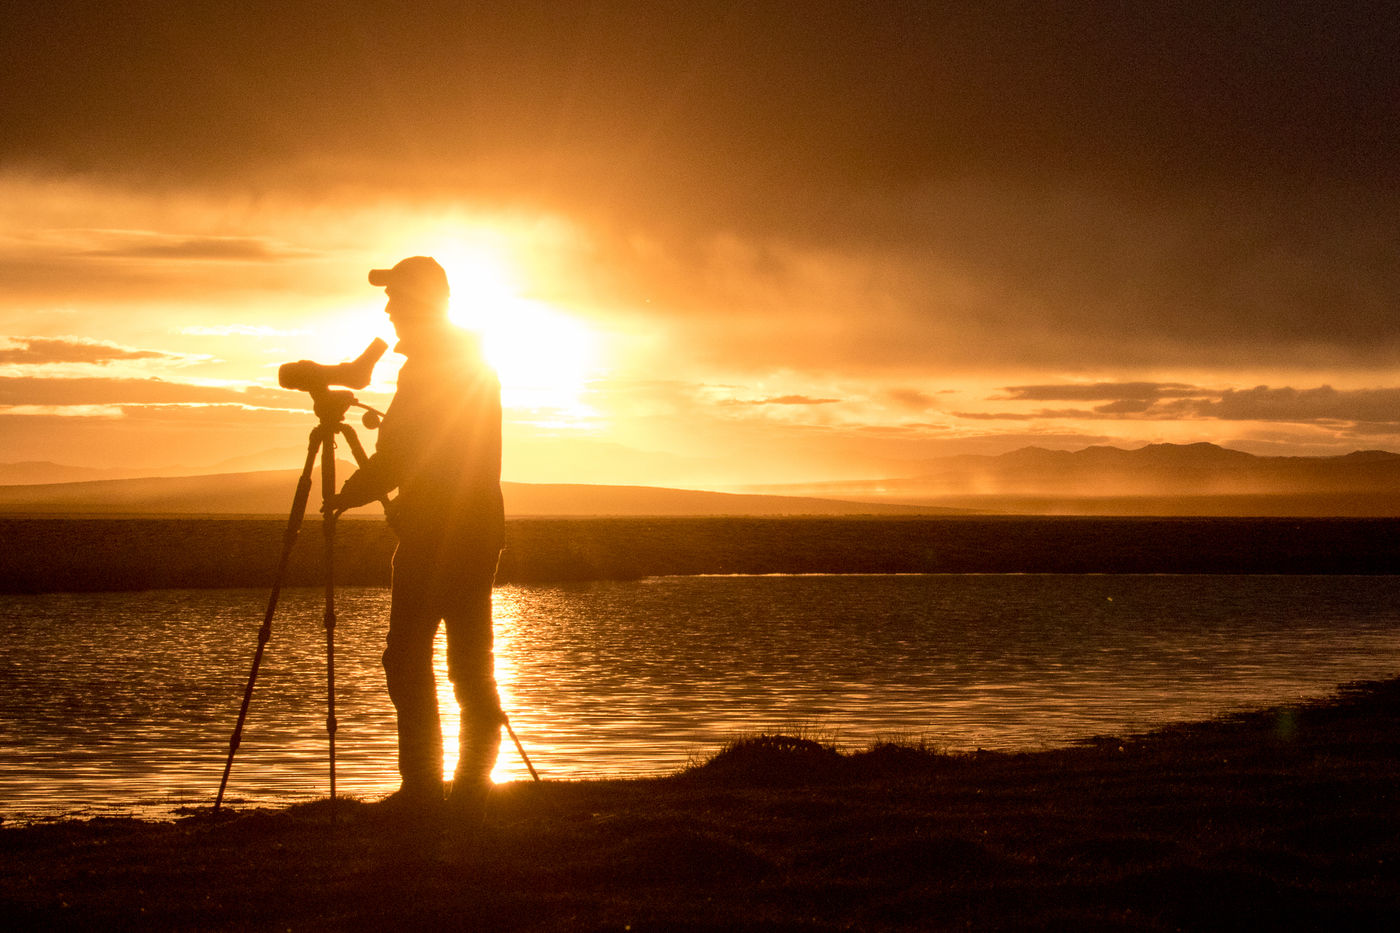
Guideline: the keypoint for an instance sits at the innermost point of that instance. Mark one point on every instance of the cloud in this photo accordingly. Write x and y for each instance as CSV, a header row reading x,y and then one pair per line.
x,y
1323,405
1127,406
1099,391
782,400
148,244
56,276
213,415
978,275
239,330
42,350
909,399
29,391
994,415
1040,413
853,94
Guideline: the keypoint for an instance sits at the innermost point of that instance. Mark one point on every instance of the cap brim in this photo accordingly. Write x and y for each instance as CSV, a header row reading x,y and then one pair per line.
x,y
379,278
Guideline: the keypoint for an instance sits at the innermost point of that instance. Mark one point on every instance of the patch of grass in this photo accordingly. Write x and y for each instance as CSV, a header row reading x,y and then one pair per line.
x,y
772,759
769,759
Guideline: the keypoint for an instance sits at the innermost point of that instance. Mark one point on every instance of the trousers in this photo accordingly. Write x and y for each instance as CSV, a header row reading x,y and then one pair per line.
x,y
431,588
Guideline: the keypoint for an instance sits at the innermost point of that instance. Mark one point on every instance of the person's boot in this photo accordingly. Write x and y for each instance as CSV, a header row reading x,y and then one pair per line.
x,y
415,800
471,782
466,803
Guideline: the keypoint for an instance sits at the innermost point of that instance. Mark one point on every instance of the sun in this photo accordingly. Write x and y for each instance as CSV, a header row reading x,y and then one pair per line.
x,y
543,355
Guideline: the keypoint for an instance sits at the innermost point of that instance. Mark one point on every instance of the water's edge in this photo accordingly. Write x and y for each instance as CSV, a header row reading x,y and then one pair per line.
x,y
96,554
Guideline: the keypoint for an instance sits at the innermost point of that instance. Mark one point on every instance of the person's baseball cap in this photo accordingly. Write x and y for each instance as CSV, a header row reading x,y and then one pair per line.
x,y
417,278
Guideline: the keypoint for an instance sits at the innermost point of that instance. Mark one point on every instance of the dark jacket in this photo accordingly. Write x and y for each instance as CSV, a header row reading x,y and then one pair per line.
x,y
440,446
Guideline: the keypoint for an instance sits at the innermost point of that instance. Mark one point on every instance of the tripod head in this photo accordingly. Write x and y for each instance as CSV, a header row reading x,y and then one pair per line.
x,y
317,379
331,405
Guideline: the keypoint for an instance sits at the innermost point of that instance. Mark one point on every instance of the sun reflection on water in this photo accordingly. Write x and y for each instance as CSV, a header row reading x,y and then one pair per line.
x,y
509,767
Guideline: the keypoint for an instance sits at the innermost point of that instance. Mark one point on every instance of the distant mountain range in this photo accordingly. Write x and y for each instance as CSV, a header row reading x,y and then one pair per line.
x,y
1159,479
1161,469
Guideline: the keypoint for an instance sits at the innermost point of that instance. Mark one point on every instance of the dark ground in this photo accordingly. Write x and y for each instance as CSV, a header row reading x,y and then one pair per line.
x,y
1284,819
55,554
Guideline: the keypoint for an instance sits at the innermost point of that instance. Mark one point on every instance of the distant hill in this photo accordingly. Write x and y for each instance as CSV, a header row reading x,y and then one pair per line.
x,y
271,492
30,472
46,472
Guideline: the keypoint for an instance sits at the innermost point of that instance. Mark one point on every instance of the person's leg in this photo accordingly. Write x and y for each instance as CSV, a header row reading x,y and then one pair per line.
x,y
408,670
471,666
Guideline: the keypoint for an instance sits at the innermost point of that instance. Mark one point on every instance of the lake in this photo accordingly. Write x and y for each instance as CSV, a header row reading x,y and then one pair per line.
x,y
123,703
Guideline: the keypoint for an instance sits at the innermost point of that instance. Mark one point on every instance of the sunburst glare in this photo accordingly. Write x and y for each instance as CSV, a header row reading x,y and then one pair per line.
x,y
543,355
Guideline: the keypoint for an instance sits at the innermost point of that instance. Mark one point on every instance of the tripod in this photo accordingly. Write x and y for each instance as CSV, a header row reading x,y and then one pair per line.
x,y
330,407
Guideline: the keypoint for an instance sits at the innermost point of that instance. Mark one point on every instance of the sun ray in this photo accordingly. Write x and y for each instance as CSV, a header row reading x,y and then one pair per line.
x,y
543,355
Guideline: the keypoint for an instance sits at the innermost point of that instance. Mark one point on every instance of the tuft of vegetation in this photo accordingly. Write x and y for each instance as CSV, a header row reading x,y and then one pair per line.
x,y
768,760
773,759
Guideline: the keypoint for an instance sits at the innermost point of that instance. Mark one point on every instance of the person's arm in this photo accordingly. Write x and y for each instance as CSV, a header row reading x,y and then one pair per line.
x,y
380,474
370,482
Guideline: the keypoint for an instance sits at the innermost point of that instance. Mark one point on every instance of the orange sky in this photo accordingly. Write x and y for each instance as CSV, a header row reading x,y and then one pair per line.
x,y
710,243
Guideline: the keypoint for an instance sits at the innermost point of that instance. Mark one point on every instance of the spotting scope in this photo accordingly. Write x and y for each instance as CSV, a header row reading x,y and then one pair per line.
x,y
308,376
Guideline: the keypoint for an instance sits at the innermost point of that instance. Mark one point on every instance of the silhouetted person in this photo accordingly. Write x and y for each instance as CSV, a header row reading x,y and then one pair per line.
x,y
440,446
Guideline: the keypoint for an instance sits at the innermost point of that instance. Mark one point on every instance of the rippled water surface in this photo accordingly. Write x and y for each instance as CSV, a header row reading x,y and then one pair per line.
x,y
124,702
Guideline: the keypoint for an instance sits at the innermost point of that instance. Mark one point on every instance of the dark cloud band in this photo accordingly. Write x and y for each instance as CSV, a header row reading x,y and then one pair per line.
x,y
42,350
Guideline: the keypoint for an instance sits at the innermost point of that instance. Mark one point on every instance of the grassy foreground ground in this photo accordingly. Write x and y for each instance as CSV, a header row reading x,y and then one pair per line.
x,y
1281,819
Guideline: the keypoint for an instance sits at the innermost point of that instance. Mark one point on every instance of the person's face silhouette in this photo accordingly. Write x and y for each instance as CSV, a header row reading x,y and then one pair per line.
x,y
411,317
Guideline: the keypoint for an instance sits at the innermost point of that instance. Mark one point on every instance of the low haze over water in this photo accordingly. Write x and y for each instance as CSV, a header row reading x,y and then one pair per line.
x,y
123,703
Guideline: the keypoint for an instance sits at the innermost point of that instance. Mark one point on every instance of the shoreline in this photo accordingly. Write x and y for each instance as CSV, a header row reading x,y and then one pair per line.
x,y
1280,818
178,806
111,554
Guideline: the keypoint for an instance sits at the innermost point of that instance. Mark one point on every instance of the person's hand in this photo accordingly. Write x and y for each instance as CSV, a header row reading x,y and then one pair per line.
x,y
336,503
353,494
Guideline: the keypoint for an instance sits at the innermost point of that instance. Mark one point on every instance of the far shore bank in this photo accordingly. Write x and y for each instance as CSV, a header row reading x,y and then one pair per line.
x,y
94,554
1278,819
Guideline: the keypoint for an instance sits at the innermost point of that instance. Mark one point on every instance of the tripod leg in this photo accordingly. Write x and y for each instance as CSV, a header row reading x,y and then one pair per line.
x,y
361,457
353,440
289,539
328,529
518,747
